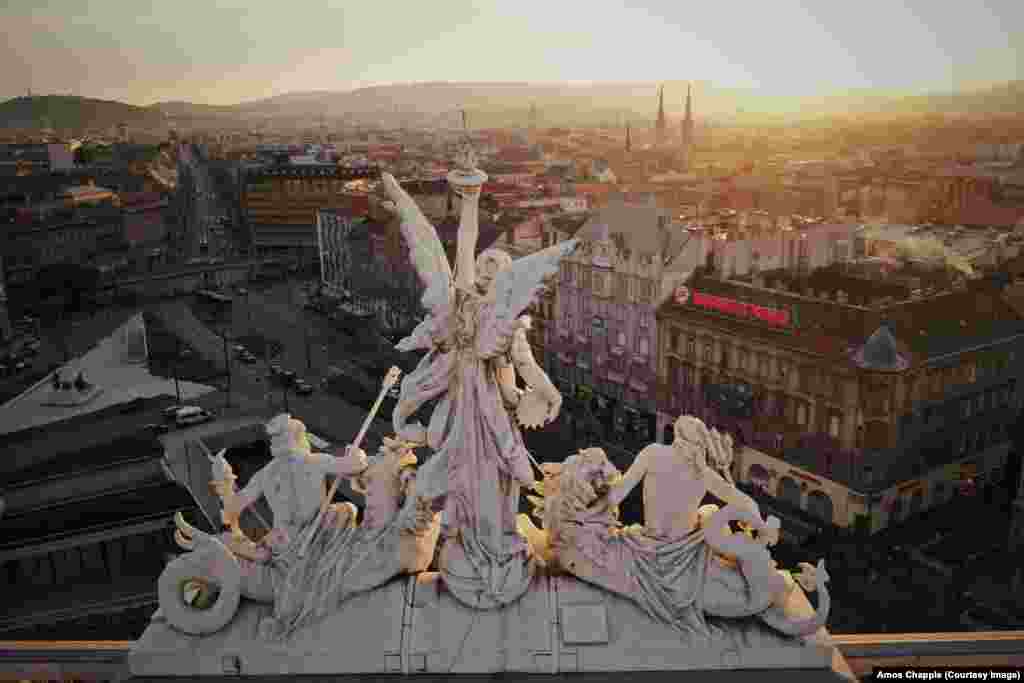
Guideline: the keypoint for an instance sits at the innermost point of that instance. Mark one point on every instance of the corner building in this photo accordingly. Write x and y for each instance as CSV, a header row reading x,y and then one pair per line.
x,y
856,399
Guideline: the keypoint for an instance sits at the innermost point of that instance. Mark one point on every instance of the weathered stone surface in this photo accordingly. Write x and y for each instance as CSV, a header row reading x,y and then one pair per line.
x,y
413,626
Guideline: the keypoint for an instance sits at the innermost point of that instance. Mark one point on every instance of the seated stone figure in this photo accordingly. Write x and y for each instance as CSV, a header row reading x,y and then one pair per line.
x,y
199,592
398,534
667,566
294,484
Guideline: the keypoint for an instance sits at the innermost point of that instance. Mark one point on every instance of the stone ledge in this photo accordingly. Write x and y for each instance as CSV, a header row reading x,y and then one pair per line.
x,y
108,659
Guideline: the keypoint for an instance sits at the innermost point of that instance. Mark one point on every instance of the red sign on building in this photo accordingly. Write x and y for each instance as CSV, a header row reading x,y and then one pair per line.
x,y
772,316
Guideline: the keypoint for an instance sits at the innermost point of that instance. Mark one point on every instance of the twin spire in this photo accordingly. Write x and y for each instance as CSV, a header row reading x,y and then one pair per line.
x,y
661,126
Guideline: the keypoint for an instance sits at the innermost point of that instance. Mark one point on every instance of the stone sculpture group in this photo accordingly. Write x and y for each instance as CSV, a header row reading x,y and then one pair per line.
x,y
457,513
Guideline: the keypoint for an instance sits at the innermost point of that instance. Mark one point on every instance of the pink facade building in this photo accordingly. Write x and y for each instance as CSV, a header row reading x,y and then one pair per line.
x,y
601,345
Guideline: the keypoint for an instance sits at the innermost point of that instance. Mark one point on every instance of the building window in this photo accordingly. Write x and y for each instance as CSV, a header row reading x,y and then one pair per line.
x,y
783,369
621,288
584,277
965,408
620,339
673,340
835,421
709,351
741,360
801,413
643,346
598,283
765,364
691,346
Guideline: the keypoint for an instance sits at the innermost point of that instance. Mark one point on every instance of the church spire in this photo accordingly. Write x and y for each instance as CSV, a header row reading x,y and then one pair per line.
x,y
660,126
687,132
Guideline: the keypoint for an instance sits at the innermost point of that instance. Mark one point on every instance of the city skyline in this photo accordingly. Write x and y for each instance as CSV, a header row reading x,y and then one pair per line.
x,y
231,52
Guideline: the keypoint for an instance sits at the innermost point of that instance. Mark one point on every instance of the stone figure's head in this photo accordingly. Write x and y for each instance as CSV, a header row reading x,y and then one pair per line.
x,y
288,435
690,429
588,475
489,263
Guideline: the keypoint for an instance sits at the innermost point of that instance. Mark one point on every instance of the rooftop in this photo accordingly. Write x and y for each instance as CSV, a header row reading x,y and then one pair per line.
x,y
825,326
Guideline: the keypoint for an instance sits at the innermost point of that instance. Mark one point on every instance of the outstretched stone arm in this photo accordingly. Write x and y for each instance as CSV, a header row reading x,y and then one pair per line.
x,y
730,495
506,375
235,505
531,372
353,463
634,475
469,231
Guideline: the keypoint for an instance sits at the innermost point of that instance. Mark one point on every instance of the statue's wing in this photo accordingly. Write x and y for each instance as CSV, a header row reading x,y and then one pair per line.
x,y
515,289
425,248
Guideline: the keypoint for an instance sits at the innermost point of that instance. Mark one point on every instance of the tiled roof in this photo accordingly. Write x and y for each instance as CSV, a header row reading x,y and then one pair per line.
x,y
637,223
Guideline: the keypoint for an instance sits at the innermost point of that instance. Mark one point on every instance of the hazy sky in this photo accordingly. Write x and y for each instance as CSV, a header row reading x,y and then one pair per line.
x,y
223,51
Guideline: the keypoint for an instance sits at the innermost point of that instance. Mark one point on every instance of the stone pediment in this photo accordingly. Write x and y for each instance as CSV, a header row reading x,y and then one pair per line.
x,y
412,625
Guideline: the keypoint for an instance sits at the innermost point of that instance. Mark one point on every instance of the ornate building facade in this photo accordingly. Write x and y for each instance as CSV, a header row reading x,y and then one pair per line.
x,y
601,343
858,402
279,204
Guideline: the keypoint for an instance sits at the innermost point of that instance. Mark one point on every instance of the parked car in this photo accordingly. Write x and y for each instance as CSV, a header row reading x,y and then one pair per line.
x,y
248,358
187,353
239,349
171,412
288,376
158,428
241,291
20,365
303,388
192,415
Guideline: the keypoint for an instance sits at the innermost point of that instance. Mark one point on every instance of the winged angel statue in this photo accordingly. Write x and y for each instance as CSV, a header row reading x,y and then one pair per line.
x,y
475,336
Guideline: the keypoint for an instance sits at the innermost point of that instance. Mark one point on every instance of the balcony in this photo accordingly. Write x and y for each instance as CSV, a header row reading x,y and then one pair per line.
x,y
107,660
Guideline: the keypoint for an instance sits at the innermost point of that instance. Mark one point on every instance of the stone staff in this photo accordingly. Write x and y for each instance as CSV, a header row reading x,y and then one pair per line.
x,y
389,381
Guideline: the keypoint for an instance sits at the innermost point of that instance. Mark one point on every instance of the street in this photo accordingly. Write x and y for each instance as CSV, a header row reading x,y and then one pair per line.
x,y
253,394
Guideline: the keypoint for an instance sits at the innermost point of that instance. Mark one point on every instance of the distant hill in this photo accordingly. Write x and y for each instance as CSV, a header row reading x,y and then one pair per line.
x,y
68,111
1005,98
190,109
491,104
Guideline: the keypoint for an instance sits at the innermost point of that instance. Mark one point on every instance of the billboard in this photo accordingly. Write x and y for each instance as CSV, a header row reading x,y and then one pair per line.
x,y
740,309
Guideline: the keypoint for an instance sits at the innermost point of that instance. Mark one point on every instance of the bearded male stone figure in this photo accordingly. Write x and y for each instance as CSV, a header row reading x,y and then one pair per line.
x,y
294,483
